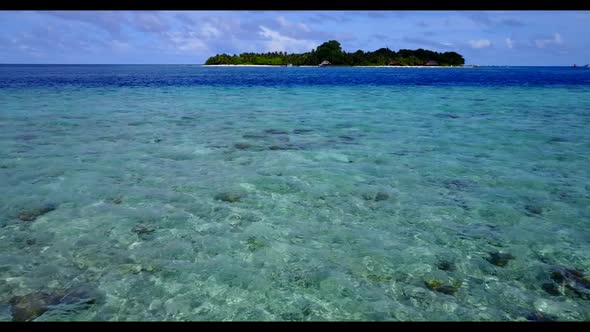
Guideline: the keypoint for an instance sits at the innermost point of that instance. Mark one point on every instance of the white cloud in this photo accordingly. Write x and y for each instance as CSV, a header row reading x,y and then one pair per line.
x,y
556,40
215,27
276,42
480,43
509,43
283,23
304,27
187,42
209,31
119,46
150,22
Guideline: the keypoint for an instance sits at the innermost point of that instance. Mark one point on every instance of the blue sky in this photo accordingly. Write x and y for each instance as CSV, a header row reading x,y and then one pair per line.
x,y
189,37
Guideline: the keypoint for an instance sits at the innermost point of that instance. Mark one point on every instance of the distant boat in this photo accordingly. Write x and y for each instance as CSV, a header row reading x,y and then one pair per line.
x,y
289,65
574,65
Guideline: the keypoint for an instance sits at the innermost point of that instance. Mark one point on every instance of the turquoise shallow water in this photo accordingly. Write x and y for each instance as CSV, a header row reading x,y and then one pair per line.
x,y
341,201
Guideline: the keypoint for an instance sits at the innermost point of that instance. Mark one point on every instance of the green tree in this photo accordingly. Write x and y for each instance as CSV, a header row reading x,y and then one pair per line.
x,y
332,51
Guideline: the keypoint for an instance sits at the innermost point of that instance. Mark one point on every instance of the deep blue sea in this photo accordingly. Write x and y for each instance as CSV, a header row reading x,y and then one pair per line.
x,y
183,192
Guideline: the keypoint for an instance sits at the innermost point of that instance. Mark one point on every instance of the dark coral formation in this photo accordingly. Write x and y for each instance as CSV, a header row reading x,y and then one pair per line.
x,y
446,265
25,137
458,184
282,148
302,131
114,200
228,197
243,146
540,317
533,209
571,279
30,306
33,214
143,230
499,259
439,286
380,196
254,244
346,138
276,132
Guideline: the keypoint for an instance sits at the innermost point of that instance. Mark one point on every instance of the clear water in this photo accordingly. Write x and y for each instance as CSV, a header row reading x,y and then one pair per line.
x,y
461,154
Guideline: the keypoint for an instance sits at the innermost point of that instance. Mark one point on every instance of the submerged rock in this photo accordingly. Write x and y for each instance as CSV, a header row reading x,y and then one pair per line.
x,y
448,115
280,148
243,146
551,288
445,265
142,229
379,278
249,147
461,203
556,139
228,197
30,306
78,295
563,195
438,286
302,131
138,268
346,138
276,132
457,184
573,280
25,137
540,317
33,214
380,196
499,259
254,136
533,209
254,244
114,200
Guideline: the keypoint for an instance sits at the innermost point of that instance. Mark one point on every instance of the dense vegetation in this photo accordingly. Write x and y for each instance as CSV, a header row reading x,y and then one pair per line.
x,y
331,51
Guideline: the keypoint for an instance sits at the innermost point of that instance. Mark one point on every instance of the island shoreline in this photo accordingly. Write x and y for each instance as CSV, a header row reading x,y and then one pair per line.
x,y
331,54
308,66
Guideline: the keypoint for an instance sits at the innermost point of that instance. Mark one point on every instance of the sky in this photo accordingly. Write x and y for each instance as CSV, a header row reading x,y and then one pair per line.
x,y
533,38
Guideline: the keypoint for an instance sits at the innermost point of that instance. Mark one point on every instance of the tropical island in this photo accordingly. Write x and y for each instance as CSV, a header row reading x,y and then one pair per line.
x,y
331,53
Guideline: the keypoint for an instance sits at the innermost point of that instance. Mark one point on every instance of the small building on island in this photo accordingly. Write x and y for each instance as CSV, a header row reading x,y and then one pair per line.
x,y
325,63
431,63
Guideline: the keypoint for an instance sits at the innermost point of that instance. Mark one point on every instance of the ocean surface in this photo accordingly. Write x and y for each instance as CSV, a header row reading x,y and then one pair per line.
x,y
143,193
